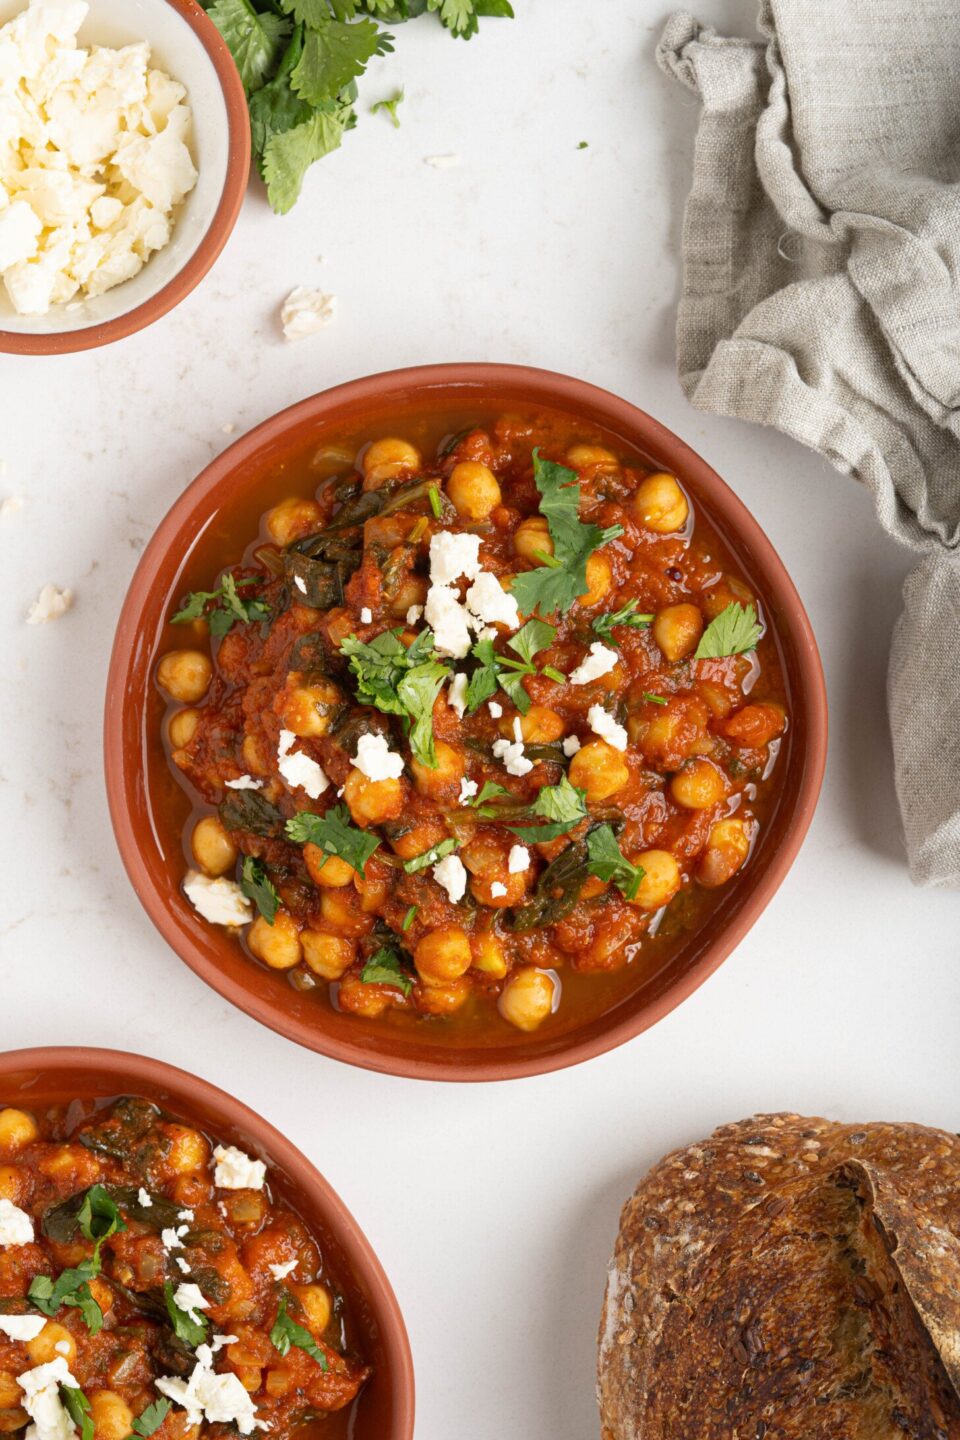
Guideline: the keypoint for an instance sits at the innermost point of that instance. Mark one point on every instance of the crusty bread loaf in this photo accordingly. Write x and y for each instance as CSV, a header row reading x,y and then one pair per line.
x,y
788,1279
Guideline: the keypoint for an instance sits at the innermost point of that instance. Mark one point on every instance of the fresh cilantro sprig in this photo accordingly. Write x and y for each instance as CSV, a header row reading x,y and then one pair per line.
x,y
733,632
386,968
400,681
629,617
497,671
98,1218
561,577
489,791
607,861
430,857
226,606
389,107
334,835
300,61
258,887
78,1408
562,806
148,1422
190,1327
286,1332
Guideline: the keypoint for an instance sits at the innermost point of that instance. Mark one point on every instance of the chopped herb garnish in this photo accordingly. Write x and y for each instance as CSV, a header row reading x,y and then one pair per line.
x,y
98,1218
286,1332
490,790
654,699
226,606
430,857
191,1331
78,1408
400,681
334,834
734,631
629,617
389,107
563,805
557,583
150,1420
258,887
583,145
608,862
500,672
556,675
408,919
434,496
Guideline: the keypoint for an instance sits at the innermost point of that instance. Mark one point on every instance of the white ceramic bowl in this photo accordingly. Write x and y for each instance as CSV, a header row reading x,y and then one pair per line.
x,y
187,45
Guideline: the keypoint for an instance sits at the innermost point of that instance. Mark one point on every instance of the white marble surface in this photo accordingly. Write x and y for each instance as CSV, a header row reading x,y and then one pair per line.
x,y
493,1208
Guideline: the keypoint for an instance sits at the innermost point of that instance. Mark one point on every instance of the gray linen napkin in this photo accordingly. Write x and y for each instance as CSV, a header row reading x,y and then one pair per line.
x,y
821,258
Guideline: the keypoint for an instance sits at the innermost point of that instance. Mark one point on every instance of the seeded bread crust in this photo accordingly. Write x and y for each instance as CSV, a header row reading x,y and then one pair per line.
x,y
788,1279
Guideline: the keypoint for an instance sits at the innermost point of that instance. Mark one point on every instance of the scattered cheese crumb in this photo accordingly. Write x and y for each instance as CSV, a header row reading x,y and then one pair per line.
x,y
495,708
468,788
300,583
600,661
16,1227
570,745
170,1240
237,1171
491,604
144,1198
457,694
189,1298
280,1272
62,1347
185,1215
414,613
297,769
449,621
511,754
305,311
41,1400
244,782
451,874
50,604
182,1265
221,901
453,554
518,860
220,1399
602,723
228,428
376,760
498,890
442,162
366,616
22,1327
10,505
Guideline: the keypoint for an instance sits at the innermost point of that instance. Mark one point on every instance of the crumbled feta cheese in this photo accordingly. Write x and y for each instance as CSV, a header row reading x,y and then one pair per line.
x,y
189,1298
450,622
218,1341
22,1327
414,613
495,708
62,1347
490,603
185,1215
498,890
228,428
20,229
280,1272
237,1171
366,616
221,901
468,788
170,1240
457,694
517,728
220,1399
182,1265
50,604
602,723
570,745
442,162
297,769
518,860
144,1198
510,752
376,760
306,311
451,874
16,1227
244,782
600,661
453,554
41,1400
300,583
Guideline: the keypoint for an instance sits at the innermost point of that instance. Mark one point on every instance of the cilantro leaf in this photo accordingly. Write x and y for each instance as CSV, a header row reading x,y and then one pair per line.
x,y
149,1420
490,790
389,107
71,1288
286,1332
461,16
629,617
484,682
556,585
276,107
316,12
258,887
608,862
253,40
534,636
99,1216
563,805
386,968
334,53
430,857
192,1332
734,631
400,682
417,692
288,156
512,685
226,604
334,834
78,1408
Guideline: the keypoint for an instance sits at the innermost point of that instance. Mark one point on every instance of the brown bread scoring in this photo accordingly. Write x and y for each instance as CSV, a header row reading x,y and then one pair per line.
x,y
788,1279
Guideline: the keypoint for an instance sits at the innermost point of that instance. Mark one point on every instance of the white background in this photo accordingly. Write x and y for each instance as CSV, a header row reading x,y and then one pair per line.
x,y
493,1208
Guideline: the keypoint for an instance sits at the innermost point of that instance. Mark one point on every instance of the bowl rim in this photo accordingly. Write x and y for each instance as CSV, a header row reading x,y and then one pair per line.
x,y
562,392
129,1066
67,342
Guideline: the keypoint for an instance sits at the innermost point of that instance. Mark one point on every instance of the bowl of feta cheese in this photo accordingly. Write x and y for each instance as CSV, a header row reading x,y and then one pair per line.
x,y
124,156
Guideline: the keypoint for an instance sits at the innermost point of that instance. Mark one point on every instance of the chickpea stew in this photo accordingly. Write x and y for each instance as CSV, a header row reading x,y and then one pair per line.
x,y
476,730
150,1285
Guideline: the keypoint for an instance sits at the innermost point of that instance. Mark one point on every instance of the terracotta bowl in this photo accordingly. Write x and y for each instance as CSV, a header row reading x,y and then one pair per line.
x,y
186,44
155,861
48,1076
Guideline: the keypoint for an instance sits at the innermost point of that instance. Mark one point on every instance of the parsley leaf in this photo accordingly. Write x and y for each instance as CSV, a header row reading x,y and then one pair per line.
x,y
389,107
192,1332
334,834
286,1332
417,692
563,805
150,1419
78,1408
734,631
258,887
99,1217
461,16
335,53
72,1288
485,680
499,672
227,606
254,40
556,584
430,857
276,107
386,968
534,636
629,617
288,156
400,682
608,862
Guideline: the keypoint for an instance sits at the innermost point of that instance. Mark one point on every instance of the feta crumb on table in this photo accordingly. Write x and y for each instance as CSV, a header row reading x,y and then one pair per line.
x,y
51,604
306,311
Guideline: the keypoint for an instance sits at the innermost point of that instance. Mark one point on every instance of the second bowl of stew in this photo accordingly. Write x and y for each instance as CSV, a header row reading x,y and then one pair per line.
x,y
460,722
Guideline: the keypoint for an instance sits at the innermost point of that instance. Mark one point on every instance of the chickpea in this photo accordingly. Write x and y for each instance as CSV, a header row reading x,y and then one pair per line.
x,y
10,1392
185,675
447,773
371,802
727,592
43,1347
111,1415
292,519
698,785
412,591
341,910
661,878
419,838
539,726
387,458
728,846
327,955
593,457
12,1183
213,846
182,727
327,871
102,1293
443,999
660,505
532,535
373,892
599,579
598,769
308,709
755,725
189,1150
443,955
474,490
489,954
370,1001
277,945
677,629
528,997
491,882
17,1128
316,1306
